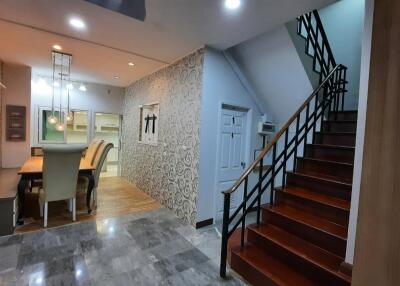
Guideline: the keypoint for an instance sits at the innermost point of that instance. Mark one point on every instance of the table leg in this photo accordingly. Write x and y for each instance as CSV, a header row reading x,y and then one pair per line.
x,y
23,183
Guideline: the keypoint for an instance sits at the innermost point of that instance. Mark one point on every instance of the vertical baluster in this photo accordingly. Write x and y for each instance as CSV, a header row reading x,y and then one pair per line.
x,y
271,200
344,87
316,107
336,86
224,240
260,173
324,100
296,141
306,127
244,209
285,158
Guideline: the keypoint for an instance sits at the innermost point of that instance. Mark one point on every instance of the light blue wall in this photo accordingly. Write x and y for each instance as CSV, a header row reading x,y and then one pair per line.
x,y
273,67
220,85
343,23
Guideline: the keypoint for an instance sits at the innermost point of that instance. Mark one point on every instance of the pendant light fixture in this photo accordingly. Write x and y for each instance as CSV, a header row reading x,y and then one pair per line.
x,y
69,113
61,63
52,119
60,123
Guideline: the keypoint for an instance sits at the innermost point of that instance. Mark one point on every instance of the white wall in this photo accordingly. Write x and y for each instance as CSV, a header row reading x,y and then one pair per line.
x,y
17,79
220,86
343,24
362,111
272,65
97,98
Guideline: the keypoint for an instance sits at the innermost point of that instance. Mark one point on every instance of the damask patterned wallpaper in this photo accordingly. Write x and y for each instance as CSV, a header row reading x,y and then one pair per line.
x,y
169,171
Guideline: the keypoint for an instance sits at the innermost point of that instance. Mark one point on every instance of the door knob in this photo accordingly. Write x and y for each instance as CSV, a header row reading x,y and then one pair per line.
x,y
243,164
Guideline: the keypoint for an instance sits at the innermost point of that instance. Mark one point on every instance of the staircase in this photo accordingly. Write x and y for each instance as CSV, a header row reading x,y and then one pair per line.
x,y
302,201
301,239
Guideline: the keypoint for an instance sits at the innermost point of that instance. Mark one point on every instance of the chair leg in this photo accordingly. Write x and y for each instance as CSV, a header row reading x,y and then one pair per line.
x,y
74,209
41,208
45,213
95,198
70,205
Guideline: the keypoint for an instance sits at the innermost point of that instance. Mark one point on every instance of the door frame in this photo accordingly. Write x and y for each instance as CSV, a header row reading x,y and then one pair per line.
x,y
249,116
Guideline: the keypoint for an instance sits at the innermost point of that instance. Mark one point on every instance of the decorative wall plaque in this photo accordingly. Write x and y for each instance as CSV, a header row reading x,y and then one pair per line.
x,y
148,125
15,123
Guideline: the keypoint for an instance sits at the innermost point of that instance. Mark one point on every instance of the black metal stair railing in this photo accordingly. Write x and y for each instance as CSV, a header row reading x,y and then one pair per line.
x,y
310,27
290,141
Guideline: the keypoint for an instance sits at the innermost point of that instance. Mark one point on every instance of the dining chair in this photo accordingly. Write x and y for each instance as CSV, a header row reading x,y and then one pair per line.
x,y
93,150
36,152
98,163
60,175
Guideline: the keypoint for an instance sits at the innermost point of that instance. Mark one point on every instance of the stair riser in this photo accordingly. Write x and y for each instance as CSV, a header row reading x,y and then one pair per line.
x,y
352,116
299,263
333,214
330,154
250,273
339,126
342,173
340,140
324,187
322,239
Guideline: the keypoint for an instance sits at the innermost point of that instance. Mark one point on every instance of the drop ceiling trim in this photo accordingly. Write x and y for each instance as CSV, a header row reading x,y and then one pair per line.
x,y
85,41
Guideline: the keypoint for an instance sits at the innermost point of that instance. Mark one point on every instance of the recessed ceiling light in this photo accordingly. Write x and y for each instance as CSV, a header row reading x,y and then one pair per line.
x,y
82,88
131,64
57,47
116,77
77,23
232,4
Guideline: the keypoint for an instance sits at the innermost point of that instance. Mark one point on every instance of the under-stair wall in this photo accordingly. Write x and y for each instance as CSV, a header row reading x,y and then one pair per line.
x,y
273,67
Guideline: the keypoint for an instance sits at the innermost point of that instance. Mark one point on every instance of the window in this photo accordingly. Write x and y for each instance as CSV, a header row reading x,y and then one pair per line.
x,y
75,132
77,127
47,131
107,127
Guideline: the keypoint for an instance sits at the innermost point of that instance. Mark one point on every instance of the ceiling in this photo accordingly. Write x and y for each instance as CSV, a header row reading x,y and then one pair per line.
x,y
172,29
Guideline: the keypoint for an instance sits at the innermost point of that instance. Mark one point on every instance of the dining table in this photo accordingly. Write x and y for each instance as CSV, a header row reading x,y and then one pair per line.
x,y
32,170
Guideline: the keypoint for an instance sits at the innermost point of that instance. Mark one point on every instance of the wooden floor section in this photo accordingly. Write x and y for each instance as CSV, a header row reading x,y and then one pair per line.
x,y
115,197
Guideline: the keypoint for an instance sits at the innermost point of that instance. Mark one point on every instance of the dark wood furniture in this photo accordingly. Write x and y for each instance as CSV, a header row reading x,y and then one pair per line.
x,y
32,170
8,200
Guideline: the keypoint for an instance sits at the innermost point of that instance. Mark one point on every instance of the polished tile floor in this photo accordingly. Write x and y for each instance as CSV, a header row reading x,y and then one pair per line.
x,y
150,248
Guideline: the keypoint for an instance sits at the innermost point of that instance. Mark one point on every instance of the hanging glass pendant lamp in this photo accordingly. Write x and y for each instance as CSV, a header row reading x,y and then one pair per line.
x,y
52,119
61,63
60,123
69,113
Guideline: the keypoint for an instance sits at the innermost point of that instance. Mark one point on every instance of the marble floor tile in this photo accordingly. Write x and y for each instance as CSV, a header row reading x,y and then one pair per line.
x,y
150,248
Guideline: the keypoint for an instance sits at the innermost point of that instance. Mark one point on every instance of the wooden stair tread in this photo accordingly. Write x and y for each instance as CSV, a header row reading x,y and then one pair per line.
x,y
328,146
302,248
318,178
278,272
340,121
336,133
309,219
326,161
317,197
325,177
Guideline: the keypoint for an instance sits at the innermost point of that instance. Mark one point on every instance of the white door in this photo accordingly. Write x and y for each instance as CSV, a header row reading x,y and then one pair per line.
x,y
231,156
